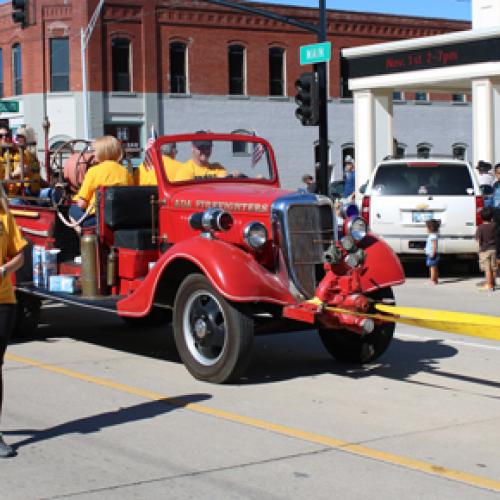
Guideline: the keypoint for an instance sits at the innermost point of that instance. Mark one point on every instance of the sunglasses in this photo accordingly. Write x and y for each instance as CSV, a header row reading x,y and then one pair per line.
x,y
4,135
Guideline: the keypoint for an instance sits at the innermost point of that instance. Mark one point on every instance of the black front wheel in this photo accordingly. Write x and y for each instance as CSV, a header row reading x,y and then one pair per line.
x,y
213,336
349,347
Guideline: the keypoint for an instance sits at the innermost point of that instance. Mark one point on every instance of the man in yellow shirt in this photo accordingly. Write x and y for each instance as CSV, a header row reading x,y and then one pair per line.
x,y
147,176
11,259
198,167
108,172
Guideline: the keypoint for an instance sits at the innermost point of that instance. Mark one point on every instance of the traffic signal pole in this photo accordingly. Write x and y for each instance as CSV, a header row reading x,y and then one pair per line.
x,y
322,180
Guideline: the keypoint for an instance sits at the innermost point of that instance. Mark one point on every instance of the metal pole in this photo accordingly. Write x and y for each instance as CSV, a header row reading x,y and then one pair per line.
x,y
322,179
85,105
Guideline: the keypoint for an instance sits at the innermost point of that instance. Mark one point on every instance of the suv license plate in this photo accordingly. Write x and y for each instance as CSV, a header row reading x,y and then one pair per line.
x,y
417,244
421,216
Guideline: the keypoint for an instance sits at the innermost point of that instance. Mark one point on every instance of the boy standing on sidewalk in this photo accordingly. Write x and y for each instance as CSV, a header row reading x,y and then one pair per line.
x,y
486,237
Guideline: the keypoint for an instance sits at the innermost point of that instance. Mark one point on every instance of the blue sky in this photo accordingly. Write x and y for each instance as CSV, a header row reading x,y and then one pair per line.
x,y
451,9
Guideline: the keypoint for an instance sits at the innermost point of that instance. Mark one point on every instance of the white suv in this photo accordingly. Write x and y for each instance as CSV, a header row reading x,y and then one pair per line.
x,y
403,193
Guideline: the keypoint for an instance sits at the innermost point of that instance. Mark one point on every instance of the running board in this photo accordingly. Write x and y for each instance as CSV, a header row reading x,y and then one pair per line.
x,y
106,304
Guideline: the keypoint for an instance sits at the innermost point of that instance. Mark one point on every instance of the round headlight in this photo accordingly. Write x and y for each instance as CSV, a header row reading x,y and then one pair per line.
x,y
255,235
348,243
357,228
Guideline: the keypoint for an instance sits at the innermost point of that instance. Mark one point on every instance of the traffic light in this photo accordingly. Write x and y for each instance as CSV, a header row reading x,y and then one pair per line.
x,y
307,98
20,12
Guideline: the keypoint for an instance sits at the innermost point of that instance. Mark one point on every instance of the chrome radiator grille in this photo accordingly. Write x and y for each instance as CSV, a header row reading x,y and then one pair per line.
x,y
307,230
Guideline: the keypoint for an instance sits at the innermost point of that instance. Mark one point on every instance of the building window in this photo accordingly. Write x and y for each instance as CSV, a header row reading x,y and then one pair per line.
x,y
242,148
17,76
421,96
276,71
459,150
347,151
458,98
59,64
400,149
424,150
236,54
120,55
344,78
398,95
178,79
1,73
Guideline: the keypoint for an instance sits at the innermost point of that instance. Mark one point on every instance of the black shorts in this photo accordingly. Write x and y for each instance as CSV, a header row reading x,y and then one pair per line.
x,y
7,317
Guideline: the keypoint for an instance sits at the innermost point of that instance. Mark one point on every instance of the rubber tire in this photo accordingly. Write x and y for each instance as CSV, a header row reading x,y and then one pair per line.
x,y
238,335
27,315
349,347
156,317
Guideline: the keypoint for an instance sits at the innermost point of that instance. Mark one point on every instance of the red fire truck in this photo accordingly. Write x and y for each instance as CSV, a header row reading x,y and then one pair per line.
x,y
223,257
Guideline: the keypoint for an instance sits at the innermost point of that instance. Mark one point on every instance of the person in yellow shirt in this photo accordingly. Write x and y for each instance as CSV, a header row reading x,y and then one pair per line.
x,y
11,259
108,172
147,176
198,167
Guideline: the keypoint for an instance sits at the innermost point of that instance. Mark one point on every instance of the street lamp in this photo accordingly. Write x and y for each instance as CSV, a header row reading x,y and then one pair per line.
x,y
85,35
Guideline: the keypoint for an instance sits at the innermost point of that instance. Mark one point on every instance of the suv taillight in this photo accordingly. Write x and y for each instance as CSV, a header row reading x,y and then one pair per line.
x,y
479,207
365,209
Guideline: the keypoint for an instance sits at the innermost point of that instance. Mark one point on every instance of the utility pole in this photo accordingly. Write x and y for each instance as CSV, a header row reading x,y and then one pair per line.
x,y
85,35
322,176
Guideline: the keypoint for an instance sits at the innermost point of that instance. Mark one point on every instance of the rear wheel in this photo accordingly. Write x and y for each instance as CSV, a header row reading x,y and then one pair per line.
x,y
213,337
349,347
27,315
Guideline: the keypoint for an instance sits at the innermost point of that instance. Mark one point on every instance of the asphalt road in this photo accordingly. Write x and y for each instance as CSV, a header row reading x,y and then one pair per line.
x,y
96,409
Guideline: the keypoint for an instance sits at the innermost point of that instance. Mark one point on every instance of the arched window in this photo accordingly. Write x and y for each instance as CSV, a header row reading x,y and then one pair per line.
x,y
459,150
178,68
236,56
242,148
121,58
276,71
17,75
424,150
59,64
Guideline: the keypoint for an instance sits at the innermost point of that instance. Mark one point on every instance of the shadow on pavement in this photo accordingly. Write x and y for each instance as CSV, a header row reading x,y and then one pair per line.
x,y
95,423
275,358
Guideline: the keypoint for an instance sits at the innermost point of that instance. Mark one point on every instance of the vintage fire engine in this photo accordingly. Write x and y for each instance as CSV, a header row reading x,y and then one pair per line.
x,y
224,257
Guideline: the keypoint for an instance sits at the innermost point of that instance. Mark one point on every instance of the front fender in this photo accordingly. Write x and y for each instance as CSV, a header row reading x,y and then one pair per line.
x,y
382,267
235,274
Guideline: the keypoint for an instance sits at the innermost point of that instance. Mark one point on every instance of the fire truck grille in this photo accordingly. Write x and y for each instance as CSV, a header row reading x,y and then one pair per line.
x,y
310,231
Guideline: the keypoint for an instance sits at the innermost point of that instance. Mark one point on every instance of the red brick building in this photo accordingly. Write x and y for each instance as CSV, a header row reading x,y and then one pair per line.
x,y
144,54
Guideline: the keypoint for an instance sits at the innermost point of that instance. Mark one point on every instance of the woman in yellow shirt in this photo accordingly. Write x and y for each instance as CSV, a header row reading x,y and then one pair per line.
x,y
11,259
108,172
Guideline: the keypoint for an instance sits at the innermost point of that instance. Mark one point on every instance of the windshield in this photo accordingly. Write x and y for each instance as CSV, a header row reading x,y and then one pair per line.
x,y
209,159
423,179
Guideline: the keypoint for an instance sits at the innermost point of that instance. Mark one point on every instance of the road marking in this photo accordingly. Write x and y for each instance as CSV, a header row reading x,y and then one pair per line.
x,y
355,449
448,341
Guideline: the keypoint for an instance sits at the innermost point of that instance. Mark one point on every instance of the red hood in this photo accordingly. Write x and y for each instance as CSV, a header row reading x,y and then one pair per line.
x,y
239,196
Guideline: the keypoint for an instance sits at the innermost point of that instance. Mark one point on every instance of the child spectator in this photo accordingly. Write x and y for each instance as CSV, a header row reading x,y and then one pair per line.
x,y
486,237
431,250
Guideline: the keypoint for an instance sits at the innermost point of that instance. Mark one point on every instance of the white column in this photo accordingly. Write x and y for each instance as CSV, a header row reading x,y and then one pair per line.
x,y
383,124
496,120
364,135
482,120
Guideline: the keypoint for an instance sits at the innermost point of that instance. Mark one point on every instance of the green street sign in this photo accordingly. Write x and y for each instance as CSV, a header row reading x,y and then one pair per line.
x,y
315,53
9,106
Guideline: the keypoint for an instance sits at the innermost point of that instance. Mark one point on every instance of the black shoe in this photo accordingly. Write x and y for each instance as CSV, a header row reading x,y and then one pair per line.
x,y
6,451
